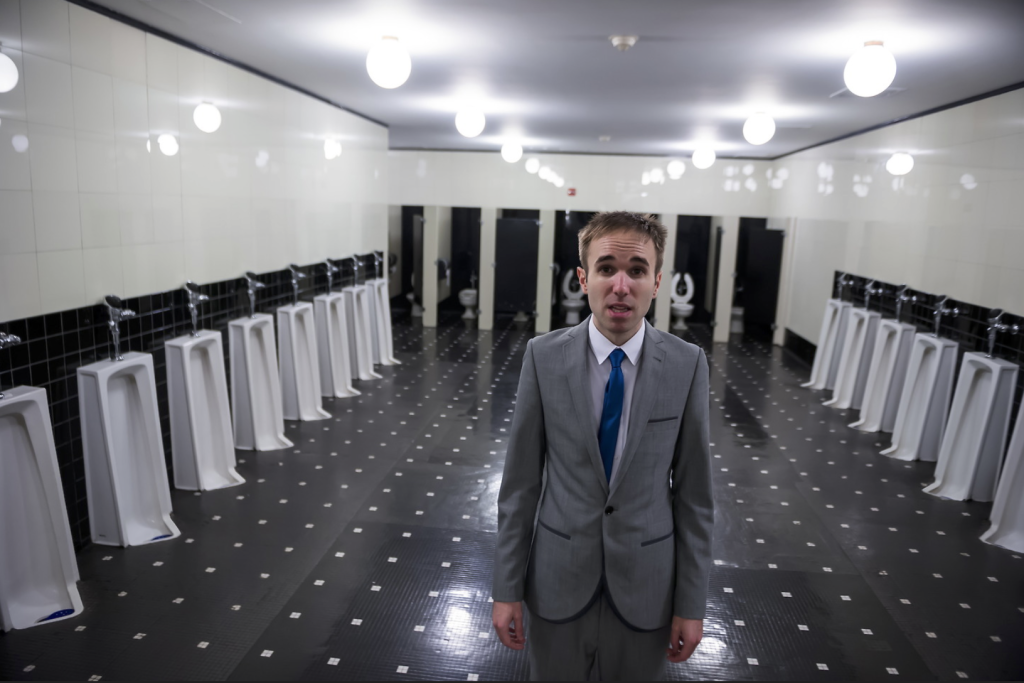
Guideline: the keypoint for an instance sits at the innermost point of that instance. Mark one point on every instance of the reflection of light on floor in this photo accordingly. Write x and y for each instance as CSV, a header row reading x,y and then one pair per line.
x,y
458,619
711,647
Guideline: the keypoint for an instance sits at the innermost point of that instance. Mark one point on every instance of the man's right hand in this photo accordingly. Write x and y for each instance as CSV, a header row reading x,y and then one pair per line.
x,y
508,622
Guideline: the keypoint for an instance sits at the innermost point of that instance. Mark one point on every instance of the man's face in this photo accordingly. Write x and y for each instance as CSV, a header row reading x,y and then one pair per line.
x,y
621,282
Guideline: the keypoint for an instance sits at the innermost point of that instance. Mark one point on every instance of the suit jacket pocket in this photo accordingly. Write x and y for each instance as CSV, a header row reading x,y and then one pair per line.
x,y
661,423
555,531
658,540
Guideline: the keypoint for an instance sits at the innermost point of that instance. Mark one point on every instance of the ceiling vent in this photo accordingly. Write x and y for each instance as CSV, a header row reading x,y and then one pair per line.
x,y
623,43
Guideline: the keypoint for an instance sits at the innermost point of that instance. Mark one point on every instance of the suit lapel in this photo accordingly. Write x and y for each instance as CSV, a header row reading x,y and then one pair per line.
x,y
645,394
574,355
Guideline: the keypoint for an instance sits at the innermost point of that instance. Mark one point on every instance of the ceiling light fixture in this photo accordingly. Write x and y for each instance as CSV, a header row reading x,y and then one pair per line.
x,y
544,173
759,128
676,169
623,43
703,157
8,73
899,163
532,165
388,64
470,122
511,152
332,149
870,70
168,144
206,117
19,143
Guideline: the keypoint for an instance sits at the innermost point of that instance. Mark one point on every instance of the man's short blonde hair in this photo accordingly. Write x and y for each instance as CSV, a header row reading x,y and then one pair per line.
x,y
607,222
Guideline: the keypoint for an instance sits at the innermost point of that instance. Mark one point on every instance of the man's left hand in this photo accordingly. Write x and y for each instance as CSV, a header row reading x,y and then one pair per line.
x,y
686,635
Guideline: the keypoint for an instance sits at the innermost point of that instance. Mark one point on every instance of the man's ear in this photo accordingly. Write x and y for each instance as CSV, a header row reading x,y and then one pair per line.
x,y
582,275
657,285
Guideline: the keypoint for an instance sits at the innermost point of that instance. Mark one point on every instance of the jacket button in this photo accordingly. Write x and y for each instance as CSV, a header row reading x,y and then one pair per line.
x,y
609,510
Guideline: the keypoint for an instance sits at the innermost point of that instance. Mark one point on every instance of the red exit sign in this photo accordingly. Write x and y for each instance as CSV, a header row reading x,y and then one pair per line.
x,y
572,191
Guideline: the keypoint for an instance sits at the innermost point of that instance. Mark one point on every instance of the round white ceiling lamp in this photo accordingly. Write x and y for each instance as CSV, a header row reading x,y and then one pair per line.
x,y
206,117
470,122
512,152
544,173
168,144
759,128
388,63
870,70
332,149
703,157
645,178
900,163
532,165
19,143
8,73
559,182
676,169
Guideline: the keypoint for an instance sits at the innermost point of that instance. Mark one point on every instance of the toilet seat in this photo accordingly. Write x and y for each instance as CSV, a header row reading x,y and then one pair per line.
x,y
567,292
682,298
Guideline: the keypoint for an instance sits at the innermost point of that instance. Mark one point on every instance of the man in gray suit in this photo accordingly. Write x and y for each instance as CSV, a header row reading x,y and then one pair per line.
x,y
605,512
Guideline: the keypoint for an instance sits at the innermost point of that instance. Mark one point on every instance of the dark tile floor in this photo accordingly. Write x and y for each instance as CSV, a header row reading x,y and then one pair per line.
x,y
366,551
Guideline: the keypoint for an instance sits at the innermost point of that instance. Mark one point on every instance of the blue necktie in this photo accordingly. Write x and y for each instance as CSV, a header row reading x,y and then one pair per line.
x,y
611,414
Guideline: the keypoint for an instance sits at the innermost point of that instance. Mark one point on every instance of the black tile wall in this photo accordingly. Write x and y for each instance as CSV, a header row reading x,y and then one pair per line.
x,y
968,328
57,344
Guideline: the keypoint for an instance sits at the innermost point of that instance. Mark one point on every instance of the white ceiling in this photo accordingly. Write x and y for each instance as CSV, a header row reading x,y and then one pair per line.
x,y
546,72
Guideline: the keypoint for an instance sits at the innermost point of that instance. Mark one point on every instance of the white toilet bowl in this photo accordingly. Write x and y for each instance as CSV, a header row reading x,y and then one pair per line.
x,y
830,345
924,402
299,363
468,298
380,297
972,442
1007,514
855,360
202,447
357,307
886,376
572,300
681,306
125,471
332,345
38,571
256,385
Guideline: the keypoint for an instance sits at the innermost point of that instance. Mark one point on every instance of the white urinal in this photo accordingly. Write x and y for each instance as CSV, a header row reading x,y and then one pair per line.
x,y
886,376
855,361
38,571
357,307
202,447
924,401
300,364
332,345
1007,515
975,435
830,345
256,385
125,470
382,320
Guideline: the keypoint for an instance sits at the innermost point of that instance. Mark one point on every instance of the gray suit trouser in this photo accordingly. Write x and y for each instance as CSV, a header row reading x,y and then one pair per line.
x,y
596,646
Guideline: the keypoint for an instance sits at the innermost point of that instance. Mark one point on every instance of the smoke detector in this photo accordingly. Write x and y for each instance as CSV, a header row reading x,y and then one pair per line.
x,y
623,43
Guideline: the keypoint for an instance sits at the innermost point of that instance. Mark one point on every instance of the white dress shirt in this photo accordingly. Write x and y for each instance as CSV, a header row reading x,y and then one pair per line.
x,y
600,369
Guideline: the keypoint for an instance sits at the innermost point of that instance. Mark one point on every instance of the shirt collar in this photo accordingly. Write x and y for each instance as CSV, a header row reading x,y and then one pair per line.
x,y
602,346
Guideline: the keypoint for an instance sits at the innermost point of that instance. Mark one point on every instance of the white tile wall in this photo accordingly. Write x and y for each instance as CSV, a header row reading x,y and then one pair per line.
x,y
954,225
88,210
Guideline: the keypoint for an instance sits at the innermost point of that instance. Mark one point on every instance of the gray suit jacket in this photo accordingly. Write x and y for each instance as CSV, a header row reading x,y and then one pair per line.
x,y
647,538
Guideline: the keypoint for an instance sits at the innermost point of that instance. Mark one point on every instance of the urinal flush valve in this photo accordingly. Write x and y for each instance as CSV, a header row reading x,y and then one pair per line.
x,y
994,328
331,270
5,341
901,298
841,284
869,291
252,284
297,275
194,297
117,312
941,310
378,263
